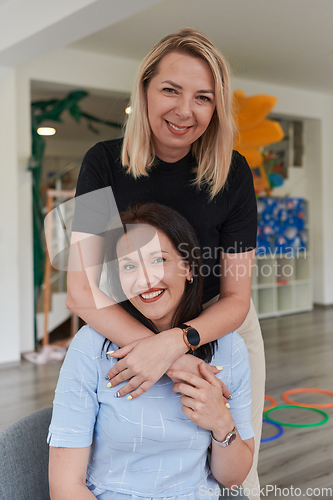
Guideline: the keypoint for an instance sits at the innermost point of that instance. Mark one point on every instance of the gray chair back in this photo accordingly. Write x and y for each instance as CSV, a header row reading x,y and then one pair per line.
x,y
24,458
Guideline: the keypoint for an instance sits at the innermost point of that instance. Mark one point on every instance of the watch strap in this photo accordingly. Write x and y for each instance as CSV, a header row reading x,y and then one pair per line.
x,y
185,329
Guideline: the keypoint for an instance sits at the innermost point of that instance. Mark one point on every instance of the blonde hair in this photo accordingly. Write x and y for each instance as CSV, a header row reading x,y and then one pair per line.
x,y
213,150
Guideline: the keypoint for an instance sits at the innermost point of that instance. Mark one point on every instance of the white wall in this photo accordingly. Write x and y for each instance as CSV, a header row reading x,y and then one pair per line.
x,y
86,70
9,241
313,143
26,279
35,27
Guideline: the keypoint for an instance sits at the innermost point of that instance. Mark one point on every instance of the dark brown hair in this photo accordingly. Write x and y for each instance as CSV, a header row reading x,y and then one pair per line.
x,y
181,234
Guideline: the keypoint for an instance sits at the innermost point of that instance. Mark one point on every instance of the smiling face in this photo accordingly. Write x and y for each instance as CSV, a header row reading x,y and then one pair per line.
x,y
181,103
152,277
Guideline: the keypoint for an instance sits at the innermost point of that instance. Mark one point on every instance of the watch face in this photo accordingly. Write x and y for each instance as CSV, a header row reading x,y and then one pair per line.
x,y
193,337
232,438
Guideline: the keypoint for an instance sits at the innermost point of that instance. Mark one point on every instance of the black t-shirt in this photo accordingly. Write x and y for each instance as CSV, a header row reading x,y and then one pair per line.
x,y
228,222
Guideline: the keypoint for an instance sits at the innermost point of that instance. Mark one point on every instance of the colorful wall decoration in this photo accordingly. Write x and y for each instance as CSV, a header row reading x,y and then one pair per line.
x,y
281,226
254,132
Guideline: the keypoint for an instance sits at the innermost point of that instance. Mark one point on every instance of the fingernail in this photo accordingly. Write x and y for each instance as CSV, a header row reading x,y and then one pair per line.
x,y
116,394
219,367
110,352
230,396
108,385
129,397
107,377
228,406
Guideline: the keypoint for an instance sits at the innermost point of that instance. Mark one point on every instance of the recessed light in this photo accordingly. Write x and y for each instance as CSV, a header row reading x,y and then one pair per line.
x,y
46,131
128,110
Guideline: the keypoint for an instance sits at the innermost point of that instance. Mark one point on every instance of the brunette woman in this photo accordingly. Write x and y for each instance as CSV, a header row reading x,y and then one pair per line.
x,y
154,446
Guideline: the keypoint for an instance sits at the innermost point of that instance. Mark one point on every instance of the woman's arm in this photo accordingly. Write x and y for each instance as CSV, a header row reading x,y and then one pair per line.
x,y
203,404
230,311
109,319
221,318
75,409
67,473
146,361
231,465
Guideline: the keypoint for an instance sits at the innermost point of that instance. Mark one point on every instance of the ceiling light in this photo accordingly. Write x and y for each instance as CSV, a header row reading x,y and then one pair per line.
x,y
46,131
128,110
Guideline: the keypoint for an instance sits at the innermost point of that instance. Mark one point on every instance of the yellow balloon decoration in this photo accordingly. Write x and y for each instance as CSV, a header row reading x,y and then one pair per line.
x,y
255,131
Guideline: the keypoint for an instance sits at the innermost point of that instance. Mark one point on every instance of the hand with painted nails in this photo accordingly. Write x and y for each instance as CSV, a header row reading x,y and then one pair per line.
x,y
139,383
202,400
190,364
144,362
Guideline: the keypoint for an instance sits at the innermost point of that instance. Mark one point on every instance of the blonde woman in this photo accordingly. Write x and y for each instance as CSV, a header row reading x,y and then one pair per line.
x,y
177,150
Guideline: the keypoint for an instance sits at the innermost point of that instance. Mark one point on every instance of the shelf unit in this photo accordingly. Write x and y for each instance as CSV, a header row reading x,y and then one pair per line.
x,y
281,284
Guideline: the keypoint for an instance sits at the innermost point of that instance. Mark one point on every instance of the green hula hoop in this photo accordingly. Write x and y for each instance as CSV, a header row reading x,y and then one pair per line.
x,y
325,415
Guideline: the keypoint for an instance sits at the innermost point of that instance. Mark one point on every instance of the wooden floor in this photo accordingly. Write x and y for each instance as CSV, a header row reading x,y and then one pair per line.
x,y
299,353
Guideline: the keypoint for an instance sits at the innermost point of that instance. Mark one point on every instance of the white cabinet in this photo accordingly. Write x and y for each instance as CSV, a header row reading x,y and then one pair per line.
x,y
282,284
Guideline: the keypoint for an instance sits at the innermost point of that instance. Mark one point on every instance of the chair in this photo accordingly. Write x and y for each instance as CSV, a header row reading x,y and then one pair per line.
x,y
24,458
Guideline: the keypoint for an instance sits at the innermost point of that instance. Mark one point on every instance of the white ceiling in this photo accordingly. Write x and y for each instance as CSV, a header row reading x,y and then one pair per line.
x,y
288,42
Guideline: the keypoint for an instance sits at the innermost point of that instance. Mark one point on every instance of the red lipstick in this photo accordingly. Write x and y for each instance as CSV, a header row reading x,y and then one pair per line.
x,y
152,299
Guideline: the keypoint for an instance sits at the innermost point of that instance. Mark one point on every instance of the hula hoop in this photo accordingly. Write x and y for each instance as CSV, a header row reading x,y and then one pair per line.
x,y
316,424
276,436
296,391
272,400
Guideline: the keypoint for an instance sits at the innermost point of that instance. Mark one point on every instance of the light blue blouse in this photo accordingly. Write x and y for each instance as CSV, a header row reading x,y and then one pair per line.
x,y
145,447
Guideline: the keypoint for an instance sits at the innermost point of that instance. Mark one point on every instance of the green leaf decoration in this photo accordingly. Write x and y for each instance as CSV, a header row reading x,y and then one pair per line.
x,y
76,112
92,128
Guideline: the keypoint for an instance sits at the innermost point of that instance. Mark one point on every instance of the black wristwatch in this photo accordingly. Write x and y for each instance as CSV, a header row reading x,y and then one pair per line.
x,y
191,337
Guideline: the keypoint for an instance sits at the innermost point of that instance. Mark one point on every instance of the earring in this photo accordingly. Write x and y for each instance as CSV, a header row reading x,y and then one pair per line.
x,y
190,281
